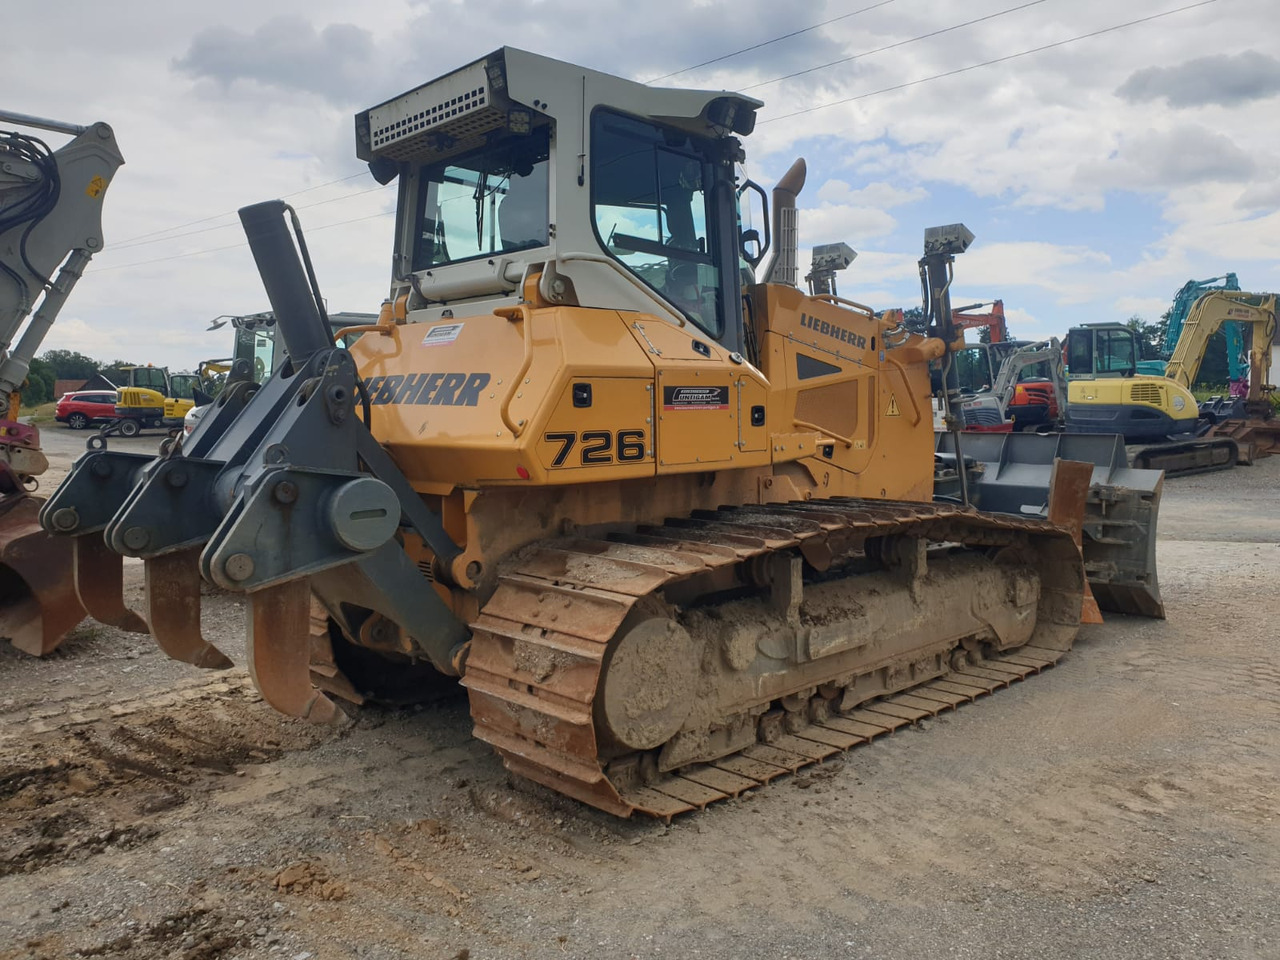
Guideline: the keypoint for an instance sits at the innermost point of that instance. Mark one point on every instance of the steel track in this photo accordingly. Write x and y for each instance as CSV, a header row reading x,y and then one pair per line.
x,y
539,645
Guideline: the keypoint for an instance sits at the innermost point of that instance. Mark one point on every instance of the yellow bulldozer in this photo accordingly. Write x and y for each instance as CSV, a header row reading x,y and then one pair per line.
x,y
670,519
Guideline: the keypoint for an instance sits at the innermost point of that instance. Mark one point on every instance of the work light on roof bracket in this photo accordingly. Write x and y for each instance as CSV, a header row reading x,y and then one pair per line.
x,y
384,170
947,241
497,74
519,121
731,115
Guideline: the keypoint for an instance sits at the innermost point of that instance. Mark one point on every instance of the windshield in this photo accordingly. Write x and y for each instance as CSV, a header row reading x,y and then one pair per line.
x,y
973,369
489,201
182,385
150,377
649,194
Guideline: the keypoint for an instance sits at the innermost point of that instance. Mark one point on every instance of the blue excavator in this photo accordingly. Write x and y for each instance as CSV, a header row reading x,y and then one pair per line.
x,y
1183,300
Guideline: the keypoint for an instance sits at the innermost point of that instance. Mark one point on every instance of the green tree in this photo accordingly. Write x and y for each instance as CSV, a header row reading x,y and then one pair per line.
x,y
1150,336
40,384
70,365
1214,371
914,319
117,371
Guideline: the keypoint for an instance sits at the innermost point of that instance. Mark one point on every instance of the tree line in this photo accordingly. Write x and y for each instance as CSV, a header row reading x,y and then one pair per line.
x,y
54,365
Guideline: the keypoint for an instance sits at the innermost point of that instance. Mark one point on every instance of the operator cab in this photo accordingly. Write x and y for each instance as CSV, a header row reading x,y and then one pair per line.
x,y
621,196
1101,350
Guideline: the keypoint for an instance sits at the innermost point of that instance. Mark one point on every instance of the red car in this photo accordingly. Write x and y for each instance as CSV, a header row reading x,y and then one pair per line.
x,y
83,407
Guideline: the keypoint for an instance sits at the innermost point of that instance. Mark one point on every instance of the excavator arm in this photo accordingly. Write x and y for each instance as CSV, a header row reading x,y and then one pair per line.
x,y
50,226
1207,315
1012,366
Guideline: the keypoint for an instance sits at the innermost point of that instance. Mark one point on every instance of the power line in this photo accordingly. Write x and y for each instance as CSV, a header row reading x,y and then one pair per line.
x,y
765,43
219,216
988,63
237,246
891,46
127,245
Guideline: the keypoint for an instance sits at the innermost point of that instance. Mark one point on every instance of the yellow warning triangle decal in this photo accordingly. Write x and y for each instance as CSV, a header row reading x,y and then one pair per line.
x,y
893,410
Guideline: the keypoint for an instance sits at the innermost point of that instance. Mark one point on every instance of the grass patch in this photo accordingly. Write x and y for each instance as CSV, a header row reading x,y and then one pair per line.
x,y
41,414
1203,393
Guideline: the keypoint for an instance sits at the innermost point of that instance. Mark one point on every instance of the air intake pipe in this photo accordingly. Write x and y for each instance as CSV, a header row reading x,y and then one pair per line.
x,y
288,278
784,263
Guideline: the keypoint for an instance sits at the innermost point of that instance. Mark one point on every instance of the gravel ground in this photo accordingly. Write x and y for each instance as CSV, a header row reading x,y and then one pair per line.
x,y
1121,805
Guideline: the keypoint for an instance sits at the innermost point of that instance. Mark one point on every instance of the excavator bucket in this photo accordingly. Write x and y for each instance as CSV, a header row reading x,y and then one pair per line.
x,y
1121,509
38,602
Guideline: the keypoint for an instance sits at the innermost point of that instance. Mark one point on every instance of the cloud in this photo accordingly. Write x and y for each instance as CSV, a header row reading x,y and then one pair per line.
x,y
1260,196
1164,159
1222,79
1053,267
287,53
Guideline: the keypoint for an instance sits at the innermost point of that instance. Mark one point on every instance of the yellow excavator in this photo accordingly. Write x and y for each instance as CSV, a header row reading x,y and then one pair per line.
x,y
1160,414
1250,422
153,398
669,519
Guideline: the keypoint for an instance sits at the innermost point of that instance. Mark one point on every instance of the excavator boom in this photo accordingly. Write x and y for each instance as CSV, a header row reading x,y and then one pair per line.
x,y
50,227
1209,313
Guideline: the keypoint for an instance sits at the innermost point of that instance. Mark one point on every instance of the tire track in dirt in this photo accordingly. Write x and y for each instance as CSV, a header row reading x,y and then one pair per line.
x,y
93,779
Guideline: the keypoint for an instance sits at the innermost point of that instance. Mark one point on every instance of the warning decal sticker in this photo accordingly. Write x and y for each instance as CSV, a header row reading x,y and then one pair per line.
x,y
893,410
695,398
445,333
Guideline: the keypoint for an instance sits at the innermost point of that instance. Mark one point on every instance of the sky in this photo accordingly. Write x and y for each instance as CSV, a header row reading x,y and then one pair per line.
x,y
1099,168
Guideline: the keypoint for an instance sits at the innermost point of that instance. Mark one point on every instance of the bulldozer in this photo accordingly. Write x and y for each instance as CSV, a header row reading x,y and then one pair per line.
x,y
669,519
50,228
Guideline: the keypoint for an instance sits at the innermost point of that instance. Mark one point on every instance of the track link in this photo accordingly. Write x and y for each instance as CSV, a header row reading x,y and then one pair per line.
x,y
542,644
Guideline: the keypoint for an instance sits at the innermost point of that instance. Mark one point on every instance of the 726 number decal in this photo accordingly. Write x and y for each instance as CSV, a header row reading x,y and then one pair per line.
x,y
598,447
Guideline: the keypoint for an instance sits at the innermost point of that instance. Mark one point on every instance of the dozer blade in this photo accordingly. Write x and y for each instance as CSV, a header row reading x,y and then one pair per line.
x,y
38,603
173,607
99,583
1068,494
1255,439
279,651
1121,510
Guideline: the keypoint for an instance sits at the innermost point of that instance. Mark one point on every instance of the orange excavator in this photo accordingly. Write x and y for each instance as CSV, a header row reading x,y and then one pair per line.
x,y
993,321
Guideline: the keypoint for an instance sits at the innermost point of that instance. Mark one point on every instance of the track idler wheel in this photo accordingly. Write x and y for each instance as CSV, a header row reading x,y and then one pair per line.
x,y
649,682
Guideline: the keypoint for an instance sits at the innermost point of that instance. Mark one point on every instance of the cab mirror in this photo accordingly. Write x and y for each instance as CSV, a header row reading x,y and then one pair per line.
x,y
754,210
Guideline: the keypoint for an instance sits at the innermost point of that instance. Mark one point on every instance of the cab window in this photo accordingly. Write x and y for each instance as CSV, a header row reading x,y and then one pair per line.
x,y
649,198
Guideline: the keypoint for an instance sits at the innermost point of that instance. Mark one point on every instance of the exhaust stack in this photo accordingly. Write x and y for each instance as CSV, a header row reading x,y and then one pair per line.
x,y
784,264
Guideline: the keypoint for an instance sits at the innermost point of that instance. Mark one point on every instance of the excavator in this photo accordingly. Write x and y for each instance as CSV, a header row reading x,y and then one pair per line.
x,y
50,227
1249,418
667,517
1105,394
1183,301
1012,400
993,321
153,398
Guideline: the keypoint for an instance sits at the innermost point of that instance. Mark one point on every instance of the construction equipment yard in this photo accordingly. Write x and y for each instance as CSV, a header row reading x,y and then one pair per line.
x,y
1120,804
